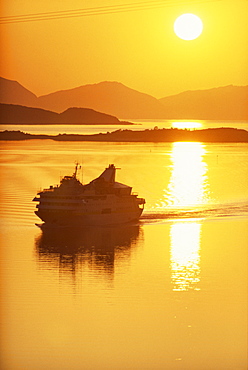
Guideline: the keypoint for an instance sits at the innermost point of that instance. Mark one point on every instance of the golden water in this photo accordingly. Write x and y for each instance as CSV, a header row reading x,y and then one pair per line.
x,y
167,293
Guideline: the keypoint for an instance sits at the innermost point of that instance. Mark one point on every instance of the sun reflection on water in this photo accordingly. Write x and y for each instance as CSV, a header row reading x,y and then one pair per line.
x,y
185,255
188,184
188,187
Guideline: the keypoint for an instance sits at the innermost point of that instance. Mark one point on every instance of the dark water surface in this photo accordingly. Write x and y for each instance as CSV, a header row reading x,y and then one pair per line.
x,y
169,292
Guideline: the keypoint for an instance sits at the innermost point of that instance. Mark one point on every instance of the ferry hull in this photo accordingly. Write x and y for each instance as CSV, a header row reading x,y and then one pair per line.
x,y
77,219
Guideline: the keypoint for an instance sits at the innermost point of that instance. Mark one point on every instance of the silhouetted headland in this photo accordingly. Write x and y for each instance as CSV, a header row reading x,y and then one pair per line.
x,y
17,114
211,135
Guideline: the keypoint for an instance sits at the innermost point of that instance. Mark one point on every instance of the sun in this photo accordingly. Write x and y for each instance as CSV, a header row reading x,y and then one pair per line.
x,y
188,26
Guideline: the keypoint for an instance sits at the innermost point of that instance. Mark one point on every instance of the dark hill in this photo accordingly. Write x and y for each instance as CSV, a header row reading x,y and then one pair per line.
x,y
85,115
16,114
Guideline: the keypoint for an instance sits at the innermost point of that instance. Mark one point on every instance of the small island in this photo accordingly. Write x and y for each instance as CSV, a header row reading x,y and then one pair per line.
x,y
211,135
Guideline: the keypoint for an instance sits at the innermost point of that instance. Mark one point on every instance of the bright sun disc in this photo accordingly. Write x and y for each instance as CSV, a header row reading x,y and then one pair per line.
x,y
188,26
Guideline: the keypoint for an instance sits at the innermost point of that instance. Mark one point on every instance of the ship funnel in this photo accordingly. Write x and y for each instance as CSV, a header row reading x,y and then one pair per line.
x,y
109,174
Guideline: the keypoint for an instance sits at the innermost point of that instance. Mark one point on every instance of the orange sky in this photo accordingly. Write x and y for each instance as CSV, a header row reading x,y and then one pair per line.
x,y
137,48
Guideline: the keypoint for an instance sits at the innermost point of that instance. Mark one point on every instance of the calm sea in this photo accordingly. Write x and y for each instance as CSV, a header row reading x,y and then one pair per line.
x,y
169,292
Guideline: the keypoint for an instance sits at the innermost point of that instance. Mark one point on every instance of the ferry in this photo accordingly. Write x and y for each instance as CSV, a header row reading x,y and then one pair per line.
x,y
103,201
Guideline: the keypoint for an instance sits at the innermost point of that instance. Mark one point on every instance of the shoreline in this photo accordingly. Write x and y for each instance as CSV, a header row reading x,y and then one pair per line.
x,y
222,134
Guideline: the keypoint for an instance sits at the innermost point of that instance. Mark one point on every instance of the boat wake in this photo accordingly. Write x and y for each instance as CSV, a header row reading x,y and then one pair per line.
x,y
214,211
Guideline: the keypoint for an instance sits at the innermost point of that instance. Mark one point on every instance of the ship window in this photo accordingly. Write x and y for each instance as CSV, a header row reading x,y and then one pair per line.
x,y
106,210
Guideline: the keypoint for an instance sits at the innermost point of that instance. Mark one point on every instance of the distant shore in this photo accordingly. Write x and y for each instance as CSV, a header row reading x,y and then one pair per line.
x,y
211,135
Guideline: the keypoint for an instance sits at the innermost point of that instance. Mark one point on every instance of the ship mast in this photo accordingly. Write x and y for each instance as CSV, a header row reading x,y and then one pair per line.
x,y
76,169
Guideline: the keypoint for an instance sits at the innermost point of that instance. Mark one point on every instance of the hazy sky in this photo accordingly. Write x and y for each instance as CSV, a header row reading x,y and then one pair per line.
x,y
138,48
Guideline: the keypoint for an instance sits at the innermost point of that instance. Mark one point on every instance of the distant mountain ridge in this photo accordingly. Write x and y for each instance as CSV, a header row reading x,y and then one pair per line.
x,y
108,97
12,92
228,102
116,99
17,114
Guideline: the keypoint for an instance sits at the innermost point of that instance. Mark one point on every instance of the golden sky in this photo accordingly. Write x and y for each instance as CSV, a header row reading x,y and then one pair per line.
x,y
137,48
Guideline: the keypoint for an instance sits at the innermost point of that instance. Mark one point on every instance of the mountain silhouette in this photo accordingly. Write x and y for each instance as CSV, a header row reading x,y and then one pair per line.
x,y
229,102
17,114
11,92
116,99
108,97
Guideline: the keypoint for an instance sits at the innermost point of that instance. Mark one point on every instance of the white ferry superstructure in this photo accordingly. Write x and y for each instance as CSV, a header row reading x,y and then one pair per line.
x,y
103,201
